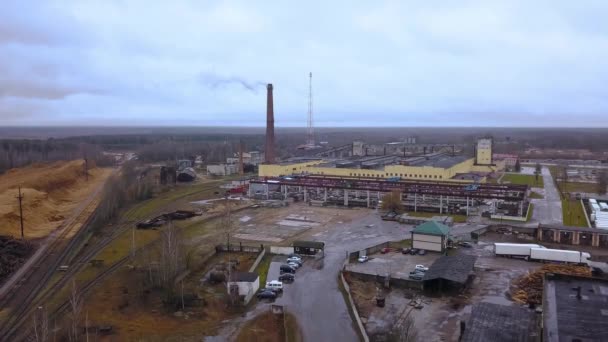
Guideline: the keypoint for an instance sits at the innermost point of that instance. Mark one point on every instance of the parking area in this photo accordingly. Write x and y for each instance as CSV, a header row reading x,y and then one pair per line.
x,y
395,263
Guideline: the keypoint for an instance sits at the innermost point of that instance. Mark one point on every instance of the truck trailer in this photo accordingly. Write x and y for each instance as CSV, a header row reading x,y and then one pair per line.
x,y
559,255
515,250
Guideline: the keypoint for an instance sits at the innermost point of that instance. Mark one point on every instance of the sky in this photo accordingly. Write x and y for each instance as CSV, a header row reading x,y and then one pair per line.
x,y
374,63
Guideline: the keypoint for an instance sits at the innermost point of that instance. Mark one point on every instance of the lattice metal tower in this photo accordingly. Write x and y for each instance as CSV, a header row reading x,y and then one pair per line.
x,y
310,133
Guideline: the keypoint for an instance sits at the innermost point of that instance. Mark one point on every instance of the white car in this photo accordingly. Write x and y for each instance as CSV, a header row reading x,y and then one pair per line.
x,y
364,258
294,265
421,268
294,260
275,285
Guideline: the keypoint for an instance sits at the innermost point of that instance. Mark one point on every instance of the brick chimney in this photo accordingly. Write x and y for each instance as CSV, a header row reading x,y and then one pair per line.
x,y
269,150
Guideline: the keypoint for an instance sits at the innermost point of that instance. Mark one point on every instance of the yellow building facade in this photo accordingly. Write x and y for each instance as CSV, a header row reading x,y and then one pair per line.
x,y
427,173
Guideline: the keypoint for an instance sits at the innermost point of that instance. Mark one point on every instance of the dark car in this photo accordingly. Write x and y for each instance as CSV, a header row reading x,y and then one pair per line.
x,y
416,276
287,277
414,251
421,252
417,272
287,269
465,244
267,295
405,250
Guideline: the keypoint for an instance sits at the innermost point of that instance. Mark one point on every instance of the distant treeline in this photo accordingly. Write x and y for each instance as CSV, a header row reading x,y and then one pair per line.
x,y
23,152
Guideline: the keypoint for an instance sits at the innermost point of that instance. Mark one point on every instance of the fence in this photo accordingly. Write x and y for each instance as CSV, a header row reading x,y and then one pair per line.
x,y
238,248
281,250
351,303
257,260
369,250
397,282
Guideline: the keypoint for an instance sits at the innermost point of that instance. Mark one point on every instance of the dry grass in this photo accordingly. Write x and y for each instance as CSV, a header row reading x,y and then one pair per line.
x,y
50,193
364,295
268,327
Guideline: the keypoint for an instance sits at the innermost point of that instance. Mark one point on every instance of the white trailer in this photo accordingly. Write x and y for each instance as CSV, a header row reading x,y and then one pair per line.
x,y
559,255
514,250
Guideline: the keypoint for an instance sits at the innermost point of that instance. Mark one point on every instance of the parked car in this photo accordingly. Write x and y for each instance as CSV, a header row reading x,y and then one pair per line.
x,y
287,277
287,269
363,258
416,276
295,258
421,268
405,250
421,252
414,251
294,265
416,272
385,250
267,295
275,285
465,244
293,255
295,261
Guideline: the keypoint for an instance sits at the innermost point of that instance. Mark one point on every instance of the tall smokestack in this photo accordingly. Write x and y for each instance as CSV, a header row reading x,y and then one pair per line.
x,y
269,152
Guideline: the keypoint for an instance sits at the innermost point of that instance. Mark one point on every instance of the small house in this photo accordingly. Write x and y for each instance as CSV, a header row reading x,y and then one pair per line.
x,y
431,236
308,247
244,285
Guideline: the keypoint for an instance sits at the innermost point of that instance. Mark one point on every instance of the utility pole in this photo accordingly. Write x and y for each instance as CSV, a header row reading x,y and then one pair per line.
x,y
20,198
86,168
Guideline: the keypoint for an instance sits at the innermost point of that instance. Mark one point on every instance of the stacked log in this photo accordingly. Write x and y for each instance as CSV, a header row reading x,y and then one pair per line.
x,y
528,289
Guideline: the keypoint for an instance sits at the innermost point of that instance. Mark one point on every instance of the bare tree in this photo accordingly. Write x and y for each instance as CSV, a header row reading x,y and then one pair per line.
x,y
41,325
403,331
392,202
602,182
75,311
171,256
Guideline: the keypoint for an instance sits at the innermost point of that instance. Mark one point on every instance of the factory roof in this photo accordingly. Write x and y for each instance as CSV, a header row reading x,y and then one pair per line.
x,y
442,161
432,228
575,308
500,323
454,268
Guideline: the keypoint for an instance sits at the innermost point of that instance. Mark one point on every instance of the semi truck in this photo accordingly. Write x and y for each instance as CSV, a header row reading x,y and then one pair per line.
x,y
514,250
559,255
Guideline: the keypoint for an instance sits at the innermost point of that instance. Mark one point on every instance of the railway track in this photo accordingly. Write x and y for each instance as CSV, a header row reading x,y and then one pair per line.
x,y
10,329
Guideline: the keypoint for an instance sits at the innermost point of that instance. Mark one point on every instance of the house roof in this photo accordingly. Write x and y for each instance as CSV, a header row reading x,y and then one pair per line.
x,y
454,268
432,228
309,244
500,323
249,277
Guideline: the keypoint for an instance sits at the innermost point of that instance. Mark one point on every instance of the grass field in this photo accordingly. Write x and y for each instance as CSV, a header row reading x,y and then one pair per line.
x,y
573,213
574,187
529,180
457,218
536,195
262,269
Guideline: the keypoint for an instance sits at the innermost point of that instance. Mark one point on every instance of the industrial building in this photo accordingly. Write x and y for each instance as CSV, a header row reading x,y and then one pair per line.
x,y
431,236
222,169
574,308
439,166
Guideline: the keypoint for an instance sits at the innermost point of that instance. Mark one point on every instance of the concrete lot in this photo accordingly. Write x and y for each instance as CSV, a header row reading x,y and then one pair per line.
x,y
549,209
395,263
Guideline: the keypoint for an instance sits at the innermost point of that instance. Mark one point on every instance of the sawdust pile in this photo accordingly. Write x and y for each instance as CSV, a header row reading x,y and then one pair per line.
x,y
50,192
528,289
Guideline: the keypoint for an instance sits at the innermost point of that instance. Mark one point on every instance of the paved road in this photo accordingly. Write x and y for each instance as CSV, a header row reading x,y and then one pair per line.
x,y
314,298
548,210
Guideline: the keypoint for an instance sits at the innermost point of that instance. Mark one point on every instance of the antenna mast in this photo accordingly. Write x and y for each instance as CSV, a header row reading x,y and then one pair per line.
x,y
310,134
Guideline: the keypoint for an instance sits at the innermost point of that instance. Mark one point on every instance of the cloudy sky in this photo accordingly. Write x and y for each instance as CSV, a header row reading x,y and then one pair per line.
x,y
394,63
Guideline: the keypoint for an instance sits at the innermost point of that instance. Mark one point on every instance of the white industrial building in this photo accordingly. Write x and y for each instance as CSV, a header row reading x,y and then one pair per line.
x,y
599,213
431,236
244,285
222,169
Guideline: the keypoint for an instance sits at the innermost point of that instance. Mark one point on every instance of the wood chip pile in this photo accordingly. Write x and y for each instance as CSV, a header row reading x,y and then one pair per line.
x,y
528,289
